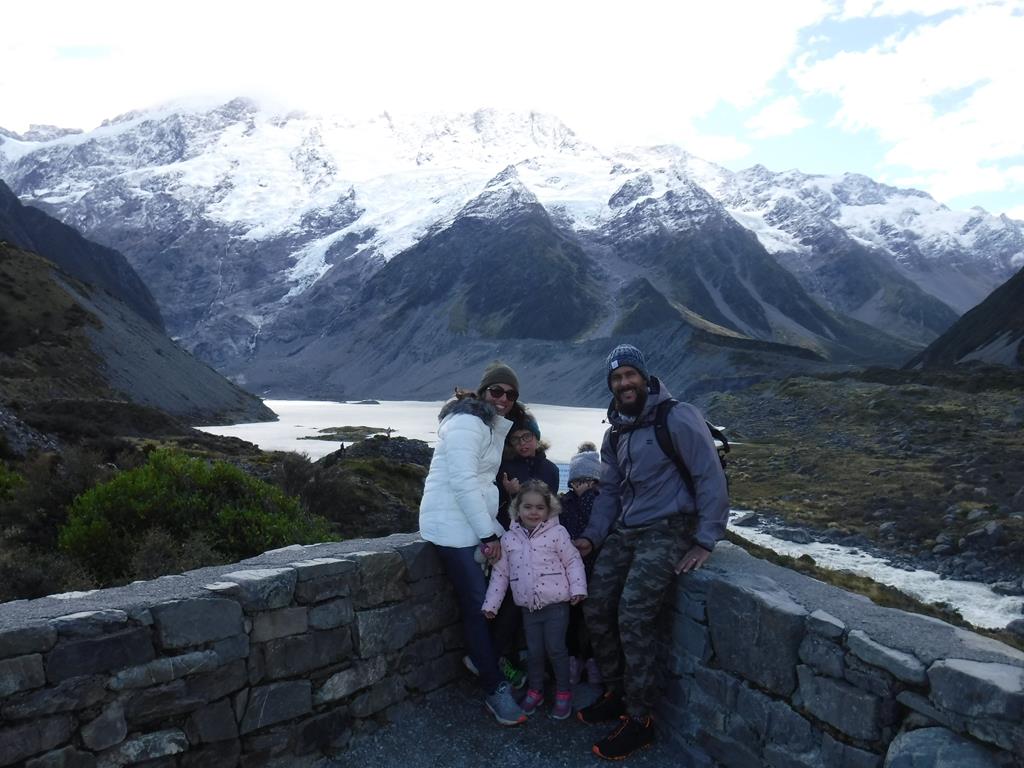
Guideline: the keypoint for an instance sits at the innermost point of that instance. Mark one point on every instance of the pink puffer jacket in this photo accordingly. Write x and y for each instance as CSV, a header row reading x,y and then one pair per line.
x,y
543,568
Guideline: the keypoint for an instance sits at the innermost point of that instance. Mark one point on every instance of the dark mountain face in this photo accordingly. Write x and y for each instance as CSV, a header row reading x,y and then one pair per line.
x,y
63,341
32,230
992,332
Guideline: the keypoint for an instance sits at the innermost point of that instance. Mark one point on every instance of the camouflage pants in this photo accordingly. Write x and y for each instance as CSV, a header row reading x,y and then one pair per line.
x,y
631,577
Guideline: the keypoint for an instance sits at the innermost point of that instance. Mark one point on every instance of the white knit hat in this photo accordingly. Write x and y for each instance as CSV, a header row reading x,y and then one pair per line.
x,y
585,464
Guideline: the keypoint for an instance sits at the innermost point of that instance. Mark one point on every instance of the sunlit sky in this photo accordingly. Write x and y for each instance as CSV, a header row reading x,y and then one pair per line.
x,y
921,93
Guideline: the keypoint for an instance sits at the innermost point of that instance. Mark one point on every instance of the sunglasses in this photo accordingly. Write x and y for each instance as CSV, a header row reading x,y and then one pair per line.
x,y
497,393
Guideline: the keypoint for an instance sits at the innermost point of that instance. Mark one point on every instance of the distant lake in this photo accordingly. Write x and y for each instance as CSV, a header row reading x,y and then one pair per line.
x,y
562,426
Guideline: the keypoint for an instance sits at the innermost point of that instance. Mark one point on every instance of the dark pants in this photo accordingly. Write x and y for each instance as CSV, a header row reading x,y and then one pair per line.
x,y
630,581
545,639
470,587
578,638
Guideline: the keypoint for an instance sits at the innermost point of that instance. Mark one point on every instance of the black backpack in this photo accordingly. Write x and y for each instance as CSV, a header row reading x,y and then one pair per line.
x,y
661,434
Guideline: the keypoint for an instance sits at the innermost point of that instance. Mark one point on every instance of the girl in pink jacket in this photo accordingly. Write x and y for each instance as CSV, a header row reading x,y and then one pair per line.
x,y
546,574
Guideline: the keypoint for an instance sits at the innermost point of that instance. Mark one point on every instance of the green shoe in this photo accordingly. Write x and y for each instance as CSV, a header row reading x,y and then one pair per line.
x,y
515,676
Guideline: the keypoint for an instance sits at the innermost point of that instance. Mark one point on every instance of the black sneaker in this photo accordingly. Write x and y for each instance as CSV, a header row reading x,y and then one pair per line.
x,y
606,709
631,734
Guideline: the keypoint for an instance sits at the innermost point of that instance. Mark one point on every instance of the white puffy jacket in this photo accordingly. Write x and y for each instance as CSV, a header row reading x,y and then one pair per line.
x,y
460,500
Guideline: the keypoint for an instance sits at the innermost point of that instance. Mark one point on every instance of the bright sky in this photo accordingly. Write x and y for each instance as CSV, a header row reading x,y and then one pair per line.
x,y
923,93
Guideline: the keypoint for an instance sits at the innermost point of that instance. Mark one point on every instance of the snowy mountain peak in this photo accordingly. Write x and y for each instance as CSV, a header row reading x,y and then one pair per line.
x,y
504,194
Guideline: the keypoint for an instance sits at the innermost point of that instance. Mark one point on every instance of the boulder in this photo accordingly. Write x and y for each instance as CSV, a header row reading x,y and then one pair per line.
x,y
936,748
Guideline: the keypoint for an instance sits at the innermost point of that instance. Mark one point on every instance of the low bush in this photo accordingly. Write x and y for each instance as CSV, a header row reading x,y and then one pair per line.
x,y
182,496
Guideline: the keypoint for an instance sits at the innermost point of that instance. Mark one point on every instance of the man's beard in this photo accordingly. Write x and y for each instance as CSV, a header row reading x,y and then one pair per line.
x,y
636,407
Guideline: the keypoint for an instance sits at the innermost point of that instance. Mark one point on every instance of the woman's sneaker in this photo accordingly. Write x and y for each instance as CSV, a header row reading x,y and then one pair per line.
x,y
533,700
593,672
512,673
563,705
503,706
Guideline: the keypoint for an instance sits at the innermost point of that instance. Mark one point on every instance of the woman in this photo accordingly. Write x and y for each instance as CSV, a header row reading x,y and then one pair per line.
x,y
458,514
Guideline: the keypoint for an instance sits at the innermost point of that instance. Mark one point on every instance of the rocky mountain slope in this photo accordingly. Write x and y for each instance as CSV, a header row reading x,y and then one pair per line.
x,y
256,231
992,332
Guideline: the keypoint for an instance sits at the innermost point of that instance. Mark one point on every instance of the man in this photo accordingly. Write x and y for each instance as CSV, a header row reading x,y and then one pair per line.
x,y
649,527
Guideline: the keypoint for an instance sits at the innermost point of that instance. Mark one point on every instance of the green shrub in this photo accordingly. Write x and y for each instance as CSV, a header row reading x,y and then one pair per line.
x,y
183,496
9,481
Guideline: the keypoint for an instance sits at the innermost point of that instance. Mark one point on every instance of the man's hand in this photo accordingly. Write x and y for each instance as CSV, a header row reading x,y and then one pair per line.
x,y
585,546
693,559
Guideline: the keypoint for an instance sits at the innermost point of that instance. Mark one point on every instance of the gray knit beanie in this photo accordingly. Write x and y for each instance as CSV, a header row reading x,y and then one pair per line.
x,y
626,354
586,464
499,373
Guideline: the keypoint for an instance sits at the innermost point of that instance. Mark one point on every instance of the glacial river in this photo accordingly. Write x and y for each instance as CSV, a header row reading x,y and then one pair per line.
x,y
564,428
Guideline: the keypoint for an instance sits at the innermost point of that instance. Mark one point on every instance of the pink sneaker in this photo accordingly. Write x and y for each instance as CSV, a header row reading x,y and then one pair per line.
x,y
532,701
575,670
563,705
593,672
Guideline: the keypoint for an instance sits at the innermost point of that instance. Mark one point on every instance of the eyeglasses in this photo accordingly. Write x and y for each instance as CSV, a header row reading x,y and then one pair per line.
x,y
497,393
528,437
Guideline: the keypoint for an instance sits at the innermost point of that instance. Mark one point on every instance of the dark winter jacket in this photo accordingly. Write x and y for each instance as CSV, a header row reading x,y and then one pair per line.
x,y
640,484
536,468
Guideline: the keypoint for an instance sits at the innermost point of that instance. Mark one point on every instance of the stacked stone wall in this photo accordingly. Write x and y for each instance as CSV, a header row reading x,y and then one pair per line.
x,y
275,661
763,672
280,659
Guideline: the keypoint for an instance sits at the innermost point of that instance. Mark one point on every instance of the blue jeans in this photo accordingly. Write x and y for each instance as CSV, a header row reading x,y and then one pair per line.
x,y
467,578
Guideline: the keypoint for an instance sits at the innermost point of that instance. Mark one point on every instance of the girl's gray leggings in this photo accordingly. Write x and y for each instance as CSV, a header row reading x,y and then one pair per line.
x,y
545,638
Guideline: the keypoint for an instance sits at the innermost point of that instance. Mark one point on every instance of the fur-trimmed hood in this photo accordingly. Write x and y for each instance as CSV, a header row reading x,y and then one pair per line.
x,y
472,405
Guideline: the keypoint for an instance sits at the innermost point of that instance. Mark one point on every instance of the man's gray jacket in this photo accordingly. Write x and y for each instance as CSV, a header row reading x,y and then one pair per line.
x,y
640,484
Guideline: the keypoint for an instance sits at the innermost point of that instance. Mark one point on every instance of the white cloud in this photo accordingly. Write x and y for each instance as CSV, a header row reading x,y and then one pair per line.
x,y
779,118
853,9
893,88
642,75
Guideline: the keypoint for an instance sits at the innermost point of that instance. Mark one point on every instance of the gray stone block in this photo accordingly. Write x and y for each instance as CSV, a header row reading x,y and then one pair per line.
x,y
332,614
822,655
68,757
789,729
937,748
231,649
421,560
68,695
105,731
259,589
381,696
360,675
903,666
720,686
439,672
147,746
212,723
276,703
151,705
420,652
322,567
869,677
218,683
727,751
835,754
756,631
290,656
318,589
452,637
691,637
697,610
440,611
915,702
184,623
93,655
21,673
283,622
754,707
853,711
90,623
164,670
323,732
22,641
1008,736
381,630
21,741
978,689
825,624
220,753
776,756
381,579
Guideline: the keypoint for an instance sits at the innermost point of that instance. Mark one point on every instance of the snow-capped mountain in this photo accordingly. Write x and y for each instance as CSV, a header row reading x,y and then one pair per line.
x,y
255,229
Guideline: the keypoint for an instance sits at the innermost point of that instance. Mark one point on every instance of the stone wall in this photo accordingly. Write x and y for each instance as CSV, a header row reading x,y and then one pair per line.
x,y
767,667
271,661
280,659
